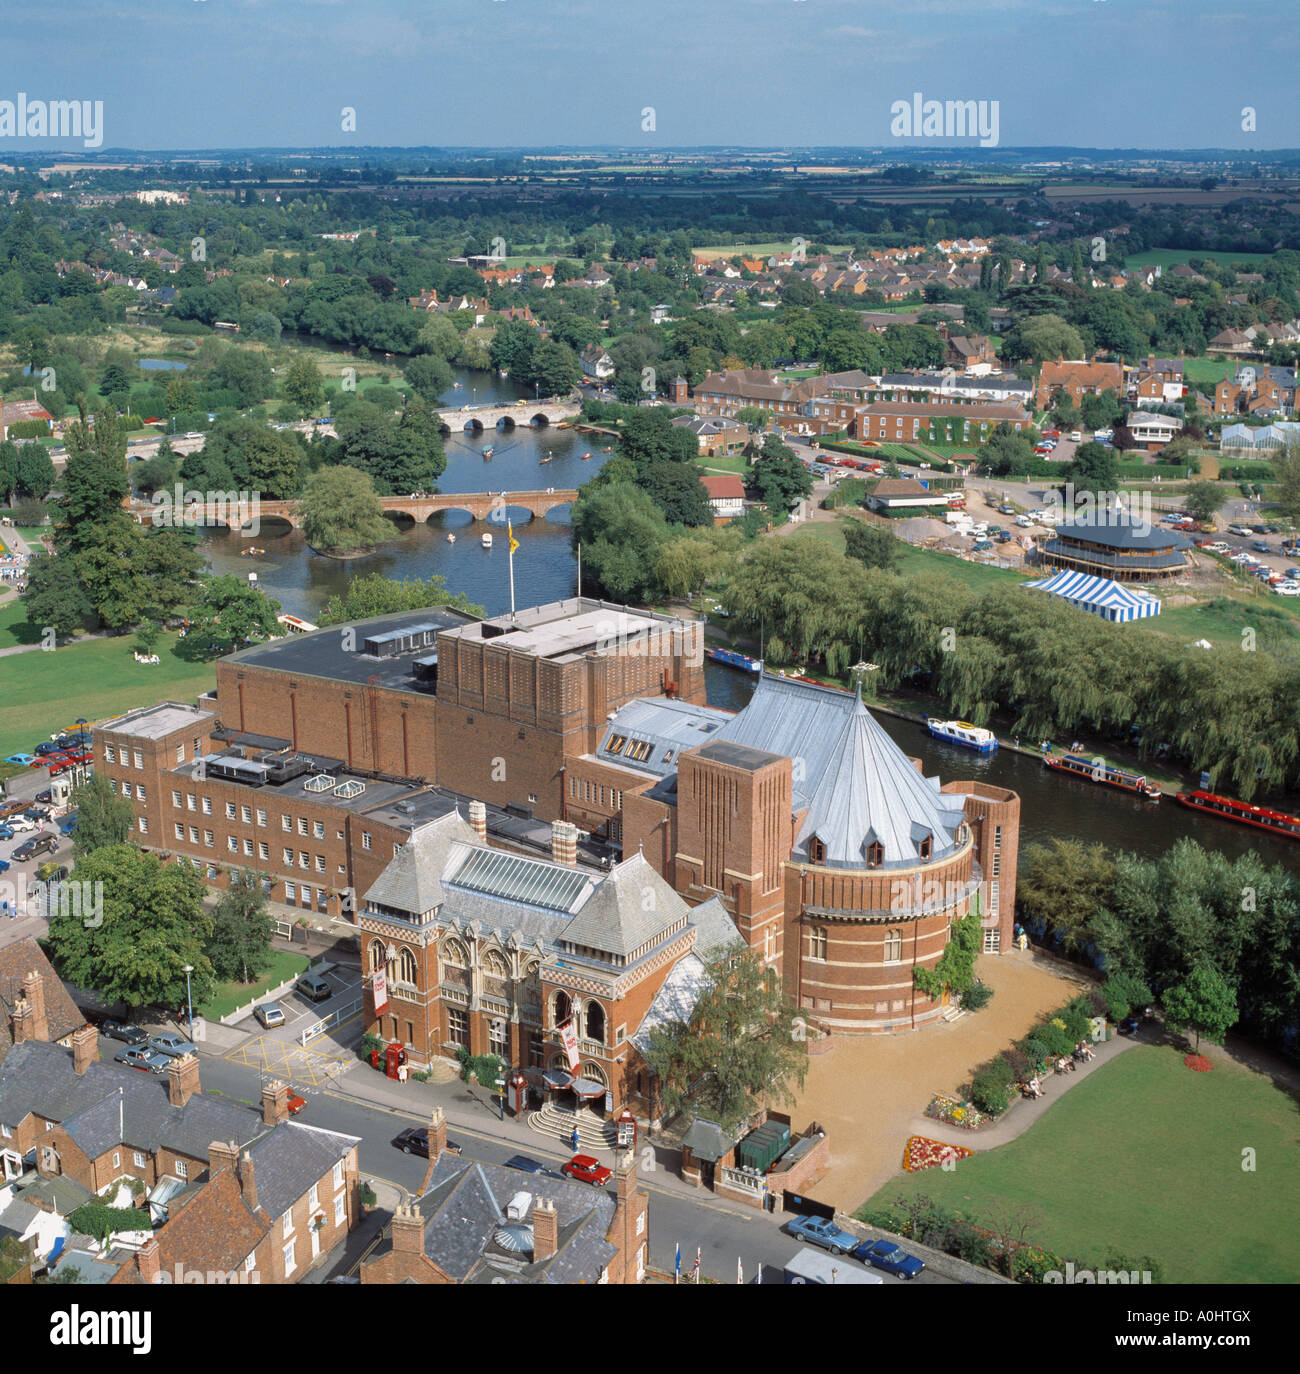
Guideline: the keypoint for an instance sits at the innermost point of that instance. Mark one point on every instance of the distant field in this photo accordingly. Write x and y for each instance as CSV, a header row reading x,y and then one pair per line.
x,y
1206,369
1171,257
749,250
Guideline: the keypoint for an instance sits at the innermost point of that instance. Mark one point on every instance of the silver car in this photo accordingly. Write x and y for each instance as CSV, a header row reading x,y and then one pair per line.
x,y
143,1058
270,1014
171,1044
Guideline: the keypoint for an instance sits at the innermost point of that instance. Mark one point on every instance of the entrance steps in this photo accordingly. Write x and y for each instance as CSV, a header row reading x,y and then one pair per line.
x,y
953,1013
557,1123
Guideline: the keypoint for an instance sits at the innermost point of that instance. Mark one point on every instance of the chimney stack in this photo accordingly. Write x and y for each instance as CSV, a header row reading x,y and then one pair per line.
x,y
437,1134
275,1103
182,1079
407,1230
85,1049
478,819
247,1181
146,1260
546,1229
564,842
30,1021
222,1154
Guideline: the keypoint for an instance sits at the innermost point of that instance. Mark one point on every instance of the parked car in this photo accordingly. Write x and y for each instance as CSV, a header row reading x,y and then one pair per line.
x,y
7,832
529,1166
171,1044
1292,573
1003,537
884,1254
30,849
23,760
5,865
413,1141
270,1014
68,824
296,1102
52,747
1287,588
143,1058
1260,546
314,988
1006,510
982,545
587,1169
1051,434
820,1231
1241,530
123,1030
1076,435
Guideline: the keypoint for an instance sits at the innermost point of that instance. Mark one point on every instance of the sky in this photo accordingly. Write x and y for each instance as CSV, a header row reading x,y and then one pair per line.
x,y
204,74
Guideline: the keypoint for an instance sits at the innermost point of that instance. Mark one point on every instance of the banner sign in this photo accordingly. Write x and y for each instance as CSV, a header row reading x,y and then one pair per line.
x,y
379,984
569,1039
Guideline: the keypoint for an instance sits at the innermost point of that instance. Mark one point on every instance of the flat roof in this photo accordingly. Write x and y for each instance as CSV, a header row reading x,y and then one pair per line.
x,y
322,653
738,755
157,722
568,630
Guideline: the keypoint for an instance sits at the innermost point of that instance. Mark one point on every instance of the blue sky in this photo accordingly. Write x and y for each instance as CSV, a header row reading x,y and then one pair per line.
x,y
242,73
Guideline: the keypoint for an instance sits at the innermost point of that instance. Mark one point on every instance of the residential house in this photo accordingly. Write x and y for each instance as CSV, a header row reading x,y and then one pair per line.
x,y
1078,379
726,495
716,434
596,363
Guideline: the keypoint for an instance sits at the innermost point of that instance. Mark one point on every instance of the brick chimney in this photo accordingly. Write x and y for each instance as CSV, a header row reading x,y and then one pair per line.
x,y
247,1181
146,1261
30,1020
222,1154
407,1230
478,819
625,1172
85,1049
182,1079
546,1229
437,1134
564,842
275,1103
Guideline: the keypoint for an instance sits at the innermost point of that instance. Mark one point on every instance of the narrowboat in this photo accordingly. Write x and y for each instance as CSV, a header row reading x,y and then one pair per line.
x,y
1095,770
963,733
734,660
1230,809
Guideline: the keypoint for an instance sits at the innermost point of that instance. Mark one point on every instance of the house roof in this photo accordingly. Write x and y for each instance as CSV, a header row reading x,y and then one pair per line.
x,y
724,486
62,1014
290,1158
412,882
214,1231
632,909
1118,532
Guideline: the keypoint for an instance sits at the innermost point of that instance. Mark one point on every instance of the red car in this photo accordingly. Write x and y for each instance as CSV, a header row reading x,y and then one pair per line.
x,y
296,1103
587,1170
1051,434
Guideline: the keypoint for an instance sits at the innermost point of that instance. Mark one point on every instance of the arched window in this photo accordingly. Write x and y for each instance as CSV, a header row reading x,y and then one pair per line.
x,y
875,854
595,1022
893,947
494,965
561,1008
816,850
378,956
454,953
406,967
926,847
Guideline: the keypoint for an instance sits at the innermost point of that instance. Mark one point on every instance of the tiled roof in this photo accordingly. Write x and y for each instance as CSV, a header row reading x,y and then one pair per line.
x,y
214,1231
412,881
632,908
290,1158
16,961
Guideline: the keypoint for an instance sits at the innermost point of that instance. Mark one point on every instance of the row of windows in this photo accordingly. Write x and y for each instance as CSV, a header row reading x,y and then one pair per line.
x,y
583,789
233,844
122,755
139,793
819,941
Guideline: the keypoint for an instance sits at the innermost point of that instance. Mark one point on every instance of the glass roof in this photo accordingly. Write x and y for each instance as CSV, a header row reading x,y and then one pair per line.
x,y
520,879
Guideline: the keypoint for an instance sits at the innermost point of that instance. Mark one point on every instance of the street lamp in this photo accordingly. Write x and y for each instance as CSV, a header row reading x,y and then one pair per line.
x,y
187,969
501,1097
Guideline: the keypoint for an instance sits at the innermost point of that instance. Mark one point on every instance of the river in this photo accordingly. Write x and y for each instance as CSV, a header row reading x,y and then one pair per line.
x,y
302,581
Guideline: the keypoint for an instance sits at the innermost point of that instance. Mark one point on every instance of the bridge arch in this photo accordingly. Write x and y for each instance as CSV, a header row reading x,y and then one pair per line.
x,y
540,421
505,422
473,424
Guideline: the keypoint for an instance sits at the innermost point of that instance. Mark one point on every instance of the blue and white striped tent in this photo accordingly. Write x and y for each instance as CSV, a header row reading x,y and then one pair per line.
x,y
1100,595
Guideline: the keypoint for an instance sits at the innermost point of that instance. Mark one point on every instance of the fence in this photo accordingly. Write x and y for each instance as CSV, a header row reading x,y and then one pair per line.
x,y
332,1019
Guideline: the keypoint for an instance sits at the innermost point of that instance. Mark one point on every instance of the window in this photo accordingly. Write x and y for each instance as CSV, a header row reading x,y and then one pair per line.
x,y
318,829
232,844
264,852
302,825
180,831
497,1038
304,859
286,1222
180,753
249,1260
993,941
138,1157
285,823
993,899
616,743
458,1026
137,758
290,893
639,750
365,839
313,1196
230,811
126,789
117,1160
144,826
339,1209
287,856
182,1169
6,1132
110,754
320,863
816,850
246,814
997,837
208,841
194,835
207,806
875,854
338,1175
406,968
290,1264
261,817
196,746
190,802
997,865
894,947
248,848
176,798
926,847
817,942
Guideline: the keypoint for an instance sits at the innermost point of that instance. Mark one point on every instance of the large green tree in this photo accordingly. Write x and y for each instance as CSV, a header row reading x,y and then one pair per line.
x,y
871,545
620,530
1204,1003
340,512
230,613
103,818
375,594
239,946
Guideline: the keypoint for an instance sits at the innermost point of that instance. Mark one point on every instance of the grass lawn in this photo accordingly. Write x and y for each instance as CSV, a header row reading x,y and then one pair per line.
x,y
1206,369
14,628
1146,1156
33,534
725,462
228,996
96,678
1171,257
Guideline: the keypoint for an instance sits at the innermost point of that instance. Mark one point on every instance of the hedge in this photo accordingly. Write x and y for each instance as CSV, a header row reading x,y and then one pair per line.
x,y
29,429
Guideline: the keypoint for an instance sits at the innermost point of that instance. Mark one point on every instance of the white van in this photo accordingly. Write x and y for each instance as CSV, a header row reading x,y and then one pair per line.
x,y
812,1266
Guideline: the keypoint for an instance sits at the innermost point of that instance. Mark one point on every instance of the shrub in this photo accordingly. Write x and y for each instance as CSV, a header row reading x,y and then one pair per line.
x,y
1123,993
973,1247
1035,1050
1017,1062
368,1195
98,1220
991,1087
976,996
1055,1037
370,1042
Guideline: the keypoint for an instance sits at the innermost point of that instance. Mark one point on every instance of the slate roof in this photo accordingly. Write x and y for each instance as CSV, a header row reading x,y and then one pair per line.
x,y
412,881
631,908
666,723
1118,533
62,1013
707,1140
856,785
290,1158
466,1203
39,1077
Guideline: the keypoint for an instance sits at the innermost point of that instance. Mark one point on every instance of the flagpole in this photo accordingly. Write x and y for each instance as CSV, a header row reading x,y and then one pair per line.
x,y
510,540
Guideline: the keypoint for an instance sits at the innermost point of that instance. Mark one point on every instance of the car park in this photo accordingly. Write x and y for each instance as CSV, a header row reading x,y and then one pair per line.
x,y
893,1259
270,1014
23,760
123,1030
143,1058
587,1169
171,1044
826,1234
37,845
1292,572
52,747
314,988
21,822
1006,510
1287,588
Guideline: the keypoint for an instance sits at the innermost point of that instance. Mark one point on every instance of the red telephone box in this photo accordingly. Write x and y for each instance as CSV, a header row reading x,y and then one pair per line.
x,y
394,1058
626,1128
518,1094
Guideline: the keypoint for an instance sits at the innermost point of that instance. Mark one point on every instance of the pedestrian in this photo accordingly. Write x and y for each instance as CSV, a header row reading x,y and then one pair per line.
x,y
574,1139
401,1073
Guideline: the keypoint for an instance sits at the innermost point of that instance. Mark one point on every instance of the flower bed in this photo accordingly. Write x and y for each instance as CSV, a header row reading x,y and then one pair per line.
x,y
1198,1062
921,1152
955,1113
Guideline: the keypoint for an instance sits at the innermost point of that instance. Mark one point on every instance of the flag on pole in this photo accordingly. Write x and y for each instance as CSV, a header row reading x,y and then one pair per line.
x,y
677,1264
695,1271
740,1270
759,1280
514,544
